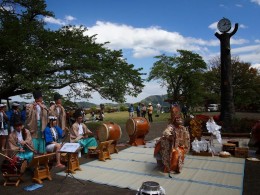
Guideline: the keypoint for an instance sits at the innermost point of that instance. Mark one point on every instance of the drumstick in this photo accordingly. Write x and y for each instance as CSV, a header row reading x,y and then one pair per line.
x,y
6,156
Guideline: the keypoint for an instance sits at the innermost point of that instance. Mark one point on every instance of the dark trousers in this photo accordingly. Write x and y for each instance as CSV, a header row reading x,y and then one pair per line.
x,y
150,117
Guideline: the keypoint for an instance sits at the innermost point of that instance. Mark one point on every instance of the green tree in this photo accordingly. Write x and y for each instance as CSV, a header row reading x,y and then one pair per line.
x,y
246,82
33,57
182,75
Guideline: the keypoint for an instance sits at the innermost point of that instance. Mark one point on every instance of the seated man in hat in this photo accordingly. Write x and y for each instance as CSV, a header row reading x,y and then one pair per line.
x,y
171,148
36,121
80,133
20,140
58,110
53,135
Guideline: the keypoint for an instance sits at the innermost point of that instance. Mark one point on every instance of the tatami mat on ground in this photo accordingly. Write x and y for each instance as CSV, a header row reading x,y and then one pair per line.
x,y
135,165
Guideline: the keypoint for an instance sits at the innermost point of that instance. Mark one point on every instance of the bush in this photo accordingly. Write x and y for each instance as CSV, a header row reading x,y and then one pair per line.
x,y
242,125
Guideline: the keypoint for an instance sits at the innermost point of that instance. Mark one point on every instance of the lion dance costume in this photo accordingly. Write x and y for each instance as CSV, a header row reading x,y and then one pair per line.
x,y
171,148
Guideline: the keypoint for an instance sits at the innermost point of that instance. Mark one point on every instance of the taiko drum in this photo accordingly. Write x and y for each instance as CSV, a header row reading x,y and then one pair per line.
x,y
109,131
137,127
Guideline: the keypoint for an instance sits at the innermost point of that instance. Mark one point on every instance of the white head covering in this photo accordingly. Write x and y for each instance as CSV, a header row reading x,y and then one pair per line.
x,y
15,104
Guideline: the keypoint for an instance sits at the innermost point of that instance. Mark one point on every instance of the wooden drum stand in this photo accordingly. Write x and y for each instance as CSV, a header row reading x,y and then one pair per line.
x,y
41,167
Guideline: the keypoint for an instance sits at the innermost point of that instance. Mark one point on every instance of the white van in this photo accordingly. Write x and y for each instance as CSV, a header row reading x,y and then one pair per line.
x,y
213,108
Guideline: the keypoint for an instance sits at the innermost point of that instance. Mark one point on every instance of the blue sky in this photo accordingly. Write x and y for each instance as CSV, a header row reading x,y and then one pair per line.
x,y
146,28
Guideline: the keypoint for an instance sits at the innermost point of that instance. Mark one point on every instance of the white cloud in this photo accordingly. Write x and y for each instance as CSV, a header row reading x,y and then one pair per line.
x,y
257,40
145,42
257,66
59,22
69,18
256,1
238,41
52,20
213,26
242,26
239,5
249,54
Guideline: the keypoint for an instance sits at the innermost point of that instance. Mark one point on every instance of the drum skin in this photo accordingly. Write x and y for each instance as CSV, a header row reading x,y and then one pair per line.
x,y
109,131
137,126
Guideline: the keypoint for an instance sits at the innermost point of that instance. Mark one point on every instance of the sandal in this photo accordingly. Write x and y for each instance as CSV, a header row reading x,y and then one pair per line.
x,y
60,166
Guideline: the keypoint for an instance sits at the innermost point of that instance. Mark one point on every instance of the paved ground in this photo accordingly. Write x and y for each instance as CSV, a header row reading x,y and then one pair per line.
x,y
59,185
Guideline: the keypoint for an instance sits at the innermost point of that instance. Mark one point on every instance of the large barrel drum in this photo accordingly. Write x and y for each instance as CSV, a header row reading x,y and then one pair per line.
x,y
137,127
109,131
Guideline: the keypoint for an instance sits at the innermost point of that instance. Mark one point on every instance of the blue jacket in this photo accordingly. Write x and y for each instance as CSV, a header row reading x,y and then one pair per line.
x,y
48,135
12,116
131,109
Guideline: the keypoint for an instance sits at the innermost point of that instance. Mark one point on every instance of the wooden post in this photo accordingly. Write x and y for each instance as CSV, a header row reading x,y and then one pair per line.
x,y
227,102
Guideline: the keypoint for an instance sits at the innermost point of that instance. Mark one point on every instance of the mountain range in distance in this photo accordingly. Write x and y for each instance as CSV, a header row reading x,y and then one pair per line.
x,y
154,100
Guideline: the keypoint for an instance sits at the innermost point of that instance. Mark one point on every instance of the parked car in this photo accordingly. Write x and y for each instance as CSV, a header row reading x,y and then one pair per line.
x,y
213,108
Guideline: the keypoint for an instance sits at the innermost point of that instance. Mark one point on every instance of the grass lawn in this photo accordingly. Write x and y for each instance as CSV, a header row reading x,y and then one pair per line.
x,y
121,118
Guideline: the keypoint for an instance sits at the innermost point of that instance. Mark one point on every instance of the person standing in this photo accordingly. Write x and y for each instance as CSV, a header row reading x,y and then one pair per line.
x,y
143,110
14,114
184,111
58,110
131,111
79,133
158,107
3,126
23,114
36,121
150,112
138,110
20,140
53,135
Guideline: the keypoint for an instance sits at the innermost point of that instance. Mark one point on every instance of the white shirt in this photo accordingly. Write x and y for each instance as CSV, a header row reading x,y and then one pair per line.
x,y
81,132
19,136
58,110
54,133
38,109
1,120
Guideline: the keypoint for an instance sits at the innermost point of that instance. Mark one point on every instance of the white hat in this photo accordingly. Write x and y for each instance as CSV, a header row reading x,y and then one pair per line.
x,y
15,104
2,105
53,118
149,104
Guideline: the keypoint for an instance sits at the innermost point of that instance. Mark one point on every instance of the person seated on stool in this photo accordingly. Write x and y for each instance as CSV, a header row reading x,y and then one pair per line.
x,y
20,140
79,133
53,134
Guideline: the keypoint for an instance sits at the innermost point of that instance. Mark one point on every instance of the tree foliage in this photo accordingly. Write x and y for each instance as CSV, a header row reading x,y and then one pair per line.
x,y
33,57
246,83
182,75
